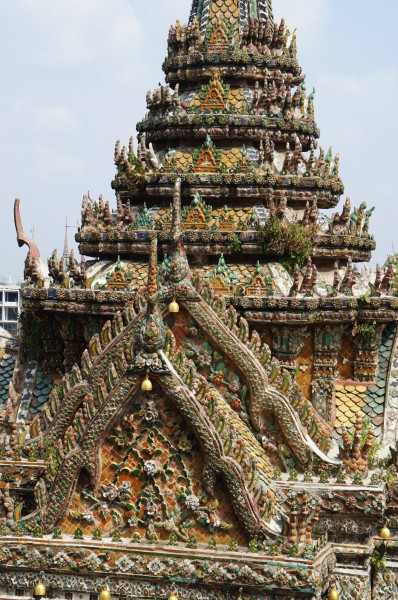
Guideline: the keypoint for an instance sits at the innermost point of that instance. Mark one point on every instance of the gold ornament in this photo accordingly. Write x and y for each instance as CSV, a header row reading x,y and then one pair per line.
x,y
146,385
40,590
173,596
385,533
333,594
105,594
174,307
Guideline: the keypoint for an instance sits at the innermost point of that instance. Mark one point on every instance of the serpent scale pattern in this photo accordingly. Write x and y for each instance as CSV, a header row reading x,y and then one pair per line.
x,y
74,398
216,459
87,455
263,396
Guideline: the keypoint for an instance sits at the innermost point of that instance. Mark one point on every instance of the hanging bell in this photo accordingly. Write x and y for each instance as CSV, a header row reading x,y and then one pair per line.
x,y
174,307
333,594
146,385
40,590
385,533
105,594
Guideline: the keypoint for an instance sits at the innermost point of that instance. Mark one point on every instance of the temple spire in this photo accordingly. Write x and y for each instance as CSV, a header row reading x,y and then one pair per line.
x,y
265,10
235,12
65,253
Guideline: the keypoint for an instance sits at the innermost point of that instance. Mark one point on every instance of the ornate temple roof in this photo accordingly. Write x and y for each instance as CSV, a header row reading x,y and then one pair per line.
x,y
236,123
213,376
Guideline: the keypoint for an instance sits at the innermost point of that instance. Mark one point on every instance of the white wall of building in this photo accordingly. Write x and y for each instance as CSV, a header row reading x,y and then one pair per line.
x,y
10,297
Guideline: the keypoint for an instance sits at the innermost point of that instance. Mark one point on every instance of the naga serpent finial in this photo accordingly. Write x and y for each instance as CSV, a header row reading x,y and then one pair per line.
x,y
22,238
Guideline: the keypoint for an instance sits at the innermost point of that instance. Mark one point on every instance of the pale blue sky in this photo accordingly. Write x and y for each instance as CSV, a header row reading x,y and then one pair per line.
x,y
74,74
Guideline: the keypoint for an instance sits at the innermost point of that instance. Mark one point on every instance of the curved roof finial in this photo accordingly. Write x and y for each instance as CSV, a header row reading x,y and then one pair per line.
x,y
22,238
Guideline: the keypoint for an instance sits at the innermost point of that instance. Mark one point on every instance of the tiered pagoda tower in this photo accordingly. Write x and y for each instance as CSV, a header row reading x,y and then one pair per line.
x,y
197,404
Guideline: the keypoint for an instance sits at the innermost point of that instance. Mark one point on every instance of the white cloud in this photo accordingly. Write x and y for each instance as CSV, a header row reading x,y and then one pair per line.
x,y
50,164
30,115
55,117
307,16
72,32
366,104
183,6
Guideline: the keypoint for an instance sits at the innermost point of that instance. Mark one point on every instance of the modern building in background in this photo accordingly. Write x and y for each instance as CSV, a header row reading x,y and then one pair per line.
x,y
9,306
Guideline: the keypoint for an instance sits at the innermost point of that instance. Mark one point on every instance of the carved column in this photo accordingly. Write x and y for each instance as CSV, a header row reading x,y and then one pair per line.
x,y
367,342
391,414
73,340
287,343
53,345
327,344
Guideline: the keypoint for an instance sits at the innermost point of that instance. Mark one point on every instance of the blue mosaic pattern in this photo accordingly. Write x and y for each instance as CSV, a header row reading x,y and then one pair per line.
x,y
41,392
7,364
376,396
